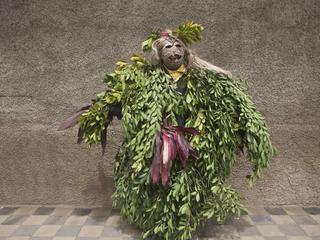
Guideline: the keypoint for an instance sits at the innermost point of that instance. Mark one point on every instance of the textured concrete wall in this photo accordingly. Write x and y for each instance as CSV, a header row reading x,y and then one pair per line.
x,y
53,55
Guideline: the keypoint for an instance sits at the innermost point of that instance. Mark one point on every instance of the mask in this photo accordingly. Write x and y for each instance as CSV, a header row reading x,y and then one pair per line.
x,y
172,54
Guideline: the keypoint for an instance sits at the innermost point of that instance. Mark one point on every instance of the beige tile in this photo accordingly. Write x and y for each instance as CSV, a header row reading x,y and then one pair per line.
x,y
257,211
7,230
114,220
24,211
90,231
35,220
100,212
3,217
252,238
62,211
245,220
76,220
311,230
315,217
298,238
111,238
18,238
64,238
269,230
282,219
294,210
46,231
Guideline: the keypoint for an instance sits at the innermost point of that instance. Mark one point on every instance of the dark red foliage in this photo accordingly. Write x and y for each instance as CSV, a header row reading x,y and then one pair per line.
x,y
170,142
73,120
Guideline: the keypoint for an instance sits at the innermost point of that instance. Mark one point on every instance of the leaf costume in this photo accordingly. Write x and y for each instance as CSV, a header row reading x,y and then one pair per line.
x,y
183,129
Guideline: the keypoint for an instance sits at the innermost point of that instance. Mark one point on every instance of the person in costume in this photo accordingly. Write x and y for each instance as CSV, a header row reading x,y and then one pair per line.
x,y
185,121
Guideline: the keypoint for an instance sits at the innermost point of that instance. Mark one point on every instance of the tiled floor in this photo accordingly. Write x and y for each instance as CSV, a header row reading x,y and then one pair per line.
x,y
276,223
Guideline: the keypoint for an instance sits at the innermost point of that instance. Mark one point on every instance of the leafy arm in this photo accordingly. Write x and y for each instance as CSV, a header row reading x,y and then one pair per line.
x,y
254,132
95,118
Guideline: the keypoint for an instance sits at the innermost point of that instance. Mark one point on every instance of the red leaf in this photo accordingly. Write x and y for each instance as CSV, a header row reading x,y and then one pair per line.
x,y
104,139
156,163
80,136
73,120
183,149
192,131
165,174
165,148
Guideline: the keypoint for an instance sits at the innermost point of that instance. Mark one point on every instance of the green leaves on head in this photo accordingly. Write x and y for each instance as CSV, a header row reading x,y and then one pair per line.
x,y
189,32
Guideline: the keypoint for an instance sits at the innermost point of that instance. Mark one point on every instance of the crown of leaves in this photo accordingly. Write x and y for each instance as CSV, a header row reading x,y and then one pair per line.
x,y
187,32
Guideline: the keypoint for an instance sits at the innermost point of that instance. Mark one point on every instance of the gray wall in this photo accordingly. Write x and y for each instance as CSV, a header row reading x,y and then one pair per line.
x,y
54,54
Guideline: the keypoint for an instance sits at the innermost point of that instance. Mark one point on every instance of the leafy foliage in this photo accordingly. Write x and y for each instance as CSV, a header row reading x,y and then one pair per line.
x,y
217,106
189,32
147,44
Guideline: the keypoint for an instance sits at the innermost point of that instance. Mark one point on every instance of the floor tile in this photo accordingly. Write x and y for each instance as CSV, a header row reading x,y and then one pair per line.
x,y
47,231
96,220
3,217
41,238
248,231
34,220
68,231
62,211
275,210
304,219
295,210
282,219
65,223
261,220
291,230
316,218
7,230
103,212
91,231
55,220
64,238
226,232
110,231
251,238
25,230
299,238
43,211
24,211
81,211
7,210
14,220
76,220
269,230
311,230
257,211
275,238
112,238
244,220
18,238
312,210
114,220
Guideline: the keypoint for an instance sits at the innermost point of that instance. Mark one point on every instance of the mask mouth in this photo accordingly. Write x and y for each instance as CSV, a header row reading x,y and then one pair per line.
x,y
175,57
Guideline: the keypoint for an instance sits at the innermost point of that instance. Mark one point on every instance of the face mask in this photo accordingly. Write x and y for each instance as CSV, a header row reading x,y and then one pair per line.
x,y
172,54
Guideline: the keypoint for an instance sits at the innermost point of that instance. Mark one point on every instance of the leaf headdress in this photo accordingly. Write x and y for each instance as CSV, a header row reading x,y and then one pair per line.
x,y
188,32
